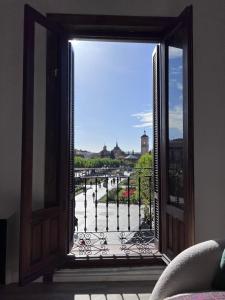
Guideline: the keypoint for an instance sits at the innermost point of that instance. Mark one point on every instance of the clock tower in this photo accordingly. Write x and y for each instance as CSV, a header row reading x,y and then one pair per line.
x,y
144,143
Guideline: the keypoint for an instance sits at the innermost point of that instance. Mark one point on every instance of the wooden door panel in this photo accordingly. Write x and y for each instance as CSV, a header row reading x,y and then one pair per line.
x,y
45,235
175,235
43,246
54,224
36,243
43,231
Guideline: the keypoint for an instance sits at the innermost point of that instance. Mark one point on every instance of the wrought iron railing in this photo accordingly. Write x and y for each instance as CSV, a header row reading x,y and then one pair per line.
x,y
114,213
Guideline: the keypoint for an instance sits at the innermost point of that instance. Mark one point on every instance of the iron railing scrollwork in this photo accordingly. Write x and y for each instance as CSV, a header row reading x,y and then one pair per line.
x,y
115,213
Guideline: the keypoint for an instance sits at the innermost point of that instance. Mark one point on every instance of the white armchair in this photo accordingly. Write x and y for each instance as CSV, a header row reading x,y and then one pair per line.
x,y
192,270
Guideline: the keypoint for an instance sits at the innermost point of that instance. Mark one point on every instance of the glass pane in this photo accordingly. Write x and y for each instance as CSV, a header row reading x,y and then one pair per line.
x,y
175,126
38,188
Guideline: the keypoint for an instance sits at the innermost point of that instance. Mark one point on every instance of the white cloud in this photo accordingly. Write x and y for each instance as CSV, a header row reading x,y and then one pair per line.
x,y
176,83
145,119
176,118
175,52
179,86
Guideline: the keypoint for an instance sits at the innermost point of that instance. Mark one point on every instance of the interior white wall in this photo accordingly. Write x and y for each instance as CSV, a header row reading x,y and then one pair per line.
x,y
209,121
209,104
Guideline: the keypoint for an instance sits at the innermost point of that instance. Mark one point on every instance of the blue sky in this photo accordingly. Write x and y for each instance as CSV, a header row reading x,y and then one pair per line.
x,y
113,94
175,93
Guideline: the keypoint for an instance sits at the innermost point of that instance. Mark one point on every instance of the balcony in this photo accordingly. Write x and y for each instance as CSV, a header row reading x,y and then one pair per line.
x,y
114,214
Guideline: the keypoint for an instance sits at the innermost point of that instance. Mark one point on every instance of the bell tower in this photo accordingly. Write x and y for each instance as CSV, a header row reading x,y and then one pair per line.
x,y
144,143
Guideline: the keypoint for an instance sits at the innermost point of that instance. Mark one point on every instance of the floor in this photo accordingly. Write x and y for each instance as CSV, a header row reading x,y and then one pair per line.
x,y
139,290
126,274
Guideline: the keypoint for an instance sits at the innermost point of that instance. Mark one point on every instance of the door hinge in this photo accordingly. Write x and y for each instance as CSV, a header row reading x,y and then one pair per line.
x,y
56,72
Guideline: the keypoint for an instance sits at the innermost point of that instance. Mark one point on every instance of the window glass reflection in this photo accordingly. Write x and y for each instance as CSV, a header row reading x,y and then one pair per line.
x,y
175,126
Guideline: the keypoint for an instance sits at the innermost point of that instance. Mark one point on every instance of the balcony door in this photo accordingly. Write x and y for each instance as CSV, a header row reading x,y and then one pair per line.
x,y
176,160
46,148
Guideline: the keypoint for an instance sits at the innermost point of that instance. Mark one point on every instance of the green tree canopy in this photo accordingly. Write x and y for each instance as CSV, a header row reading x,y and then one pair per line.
x,y
145,161
143,174
81,162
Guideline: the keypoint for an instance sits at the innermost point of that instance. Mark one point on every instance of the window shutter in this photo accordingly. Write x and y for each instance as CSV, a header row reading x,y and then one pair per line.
x,y
156,140
71,209
43,228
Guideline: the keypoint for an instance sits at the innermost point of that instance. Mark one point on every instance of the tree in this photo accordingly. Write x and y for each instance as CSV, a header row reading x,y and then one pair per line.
x,y
145,161
81,162
143,170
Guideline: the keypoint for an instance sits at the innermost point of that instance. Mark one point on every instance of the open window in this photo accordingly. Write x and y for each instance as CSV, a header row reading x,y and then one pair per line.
x,y
47,191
